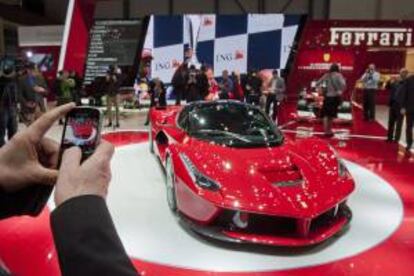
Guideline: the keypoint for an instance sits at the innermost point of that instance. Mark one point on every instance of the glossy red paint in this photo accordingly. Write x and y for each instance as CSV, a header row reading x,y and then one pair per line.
x,y
25,241
250,177
194,206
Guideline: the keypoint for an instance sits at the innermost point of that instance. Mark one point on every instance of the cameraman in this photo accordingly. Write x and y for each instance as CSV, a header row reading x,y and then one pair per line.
x,y
370,81
8,101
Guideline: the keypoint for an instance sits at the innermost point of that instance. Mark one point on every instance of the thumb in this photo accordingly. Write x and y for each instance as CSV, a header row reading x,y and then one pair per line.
x,y
45,176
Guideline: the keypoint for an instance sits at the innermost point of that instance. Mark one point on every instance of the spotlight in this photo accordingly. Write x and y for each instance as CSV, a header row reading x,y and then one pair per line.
x,y
29,54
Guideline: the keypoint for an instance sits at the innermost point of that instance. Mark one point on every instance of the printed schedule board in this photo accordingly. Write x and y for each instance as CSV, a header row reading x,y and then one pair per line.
x,y
111,42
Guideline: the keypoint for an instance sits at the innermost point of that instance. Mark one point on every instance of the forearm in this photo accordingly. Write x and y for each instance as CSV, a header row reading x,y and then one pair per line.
x,y
86,239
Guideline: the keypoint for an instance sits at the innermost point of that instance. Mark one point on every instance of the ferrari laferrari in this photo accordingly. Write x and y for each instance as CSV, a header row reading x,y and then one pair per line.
x,y
233,176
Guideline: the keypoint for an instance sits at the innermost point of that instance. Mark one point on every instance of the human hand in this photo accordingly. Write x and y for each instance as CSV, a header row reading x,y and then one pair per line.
x,y
92,177
403,111
39,89
29,158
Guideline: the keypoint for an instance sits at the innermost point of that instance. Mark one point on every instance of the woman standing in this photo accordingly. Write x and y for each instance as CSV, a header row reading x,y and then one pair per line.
x,y
333,84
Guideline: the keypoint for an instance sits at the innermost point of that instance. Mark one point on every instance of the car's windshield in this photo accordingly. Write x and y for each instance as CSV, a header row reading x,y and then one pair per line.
x,y
233,124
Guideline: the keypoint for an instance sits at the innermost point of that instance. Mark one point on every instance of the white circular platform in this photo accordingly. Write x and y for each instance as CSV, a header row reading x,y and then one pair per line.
x,y
149,231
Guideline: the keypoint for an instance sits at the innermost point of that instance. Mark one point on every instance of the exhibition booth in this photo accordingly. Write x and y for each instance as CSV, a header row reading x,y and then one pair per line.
x,y
198,191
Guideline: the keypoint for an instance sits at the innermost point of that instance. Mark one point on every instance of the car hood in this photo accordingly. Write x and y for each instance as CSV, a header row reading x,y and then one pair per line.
x,y
293,179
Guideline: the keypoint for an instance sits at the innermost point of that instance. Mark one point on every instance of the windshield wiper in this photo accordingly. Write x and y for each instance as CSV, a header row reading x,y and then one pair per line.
x,y
228,133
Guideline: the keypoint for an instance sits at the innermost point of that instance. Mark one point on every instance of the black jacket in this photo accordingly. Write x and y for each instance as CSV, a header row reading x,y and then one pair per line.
x,y
8,92
406,94
85,236
86,239
158,99
394,87
252,85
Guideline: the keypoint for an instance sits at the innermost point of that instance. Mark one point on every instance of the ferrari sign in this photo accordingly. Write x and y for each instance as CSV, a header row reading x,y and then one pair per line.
x,y
382,37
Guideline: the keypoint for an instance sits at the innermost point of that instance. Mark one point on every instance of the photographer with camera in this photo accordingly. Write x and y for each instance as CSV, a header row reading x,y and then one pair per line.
x,y
370,81
8,100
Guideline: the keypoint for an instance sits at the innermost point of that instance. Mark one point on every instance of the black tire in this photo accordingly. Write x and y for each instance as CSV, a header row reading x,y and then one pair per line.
x,y
170,185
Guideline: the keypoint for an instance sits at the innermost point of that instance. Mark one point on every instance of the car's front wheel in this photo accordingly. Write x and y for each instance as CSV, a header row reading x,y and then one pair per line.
x,y
170,185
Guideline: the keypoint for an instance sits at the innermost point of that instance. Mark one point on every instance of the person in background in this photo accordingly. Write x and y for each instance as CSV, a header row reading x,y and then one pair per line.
x,y
406,101
42,100
213,87
226,86
202,82
179,83
192,89
111,91
238,93
57,89
158,95
370,80
334,84
81,213
276,93
78,87
8,103
31,89
67,86
253,88
395,118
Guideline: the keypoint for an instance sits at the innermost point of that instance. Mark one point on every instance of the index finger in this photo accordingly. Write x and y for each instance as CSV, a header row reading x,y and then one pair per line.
x,y
38,129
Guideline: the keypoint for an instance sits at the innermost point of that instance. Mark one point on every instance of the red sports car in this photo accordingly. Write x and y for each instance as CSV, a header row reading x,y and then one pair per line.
x,y
232,175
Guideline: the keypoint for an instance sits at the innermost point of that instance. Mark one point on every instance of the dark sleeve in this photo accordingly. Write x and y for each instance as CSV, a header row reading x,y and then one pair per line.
x,y
21,92
29,201
86,240
402,94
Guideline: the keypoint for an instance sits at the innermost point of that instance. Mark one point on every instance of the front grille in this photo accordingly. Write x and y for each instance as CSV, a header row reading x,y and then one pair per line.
x,y
277,226
258,224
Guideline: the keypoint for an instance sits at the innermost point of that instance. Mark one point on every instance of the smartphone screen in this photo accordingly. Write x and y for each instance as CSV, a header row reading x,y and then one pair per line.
x,y
82,129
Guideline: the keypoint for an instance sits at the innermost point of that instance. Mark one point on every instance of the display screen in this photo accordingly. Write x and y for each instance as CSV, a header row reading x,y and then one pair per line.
x,y
82,130
223,42
112,42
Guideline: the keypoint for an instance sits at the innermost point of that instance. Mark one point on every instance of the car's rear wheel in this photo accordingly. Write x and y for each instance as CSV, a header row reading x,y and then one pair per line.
x,y
170,185
150,140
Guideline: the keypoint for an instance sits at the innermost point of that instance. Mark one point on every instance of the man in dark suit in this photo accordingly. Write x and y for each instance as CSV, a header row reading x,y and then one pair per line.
x,y
406,100
84,234
395,118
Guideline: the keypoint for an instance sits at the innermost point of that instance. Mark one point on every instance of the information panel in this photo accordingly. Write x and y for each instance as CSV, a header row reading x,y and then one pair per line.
x,y
111,42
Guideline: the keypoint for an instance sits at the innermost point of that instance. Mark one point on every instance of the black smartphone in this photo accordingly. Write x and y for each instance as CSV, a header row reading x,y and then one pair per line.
x,y
82,129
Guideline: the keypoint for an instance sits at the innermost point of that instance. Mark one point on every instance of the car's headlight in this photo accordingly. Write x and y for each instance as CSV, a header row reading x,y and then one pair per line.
x,y
342,170
201,180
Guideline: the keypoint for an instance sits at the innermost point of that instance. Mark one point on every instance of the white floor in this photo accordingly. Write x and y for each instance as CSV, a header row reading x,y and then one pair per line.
x,y
150,232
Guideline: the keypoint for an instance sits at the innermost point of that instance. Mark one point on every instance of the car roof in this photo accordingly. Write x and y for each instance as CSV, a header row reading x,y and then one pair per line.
x,y
213,103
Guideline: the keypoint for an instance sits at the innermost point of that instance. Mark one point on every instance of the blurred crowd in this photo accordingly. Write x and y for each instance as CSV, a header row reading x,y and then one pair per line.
x,y
189,84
